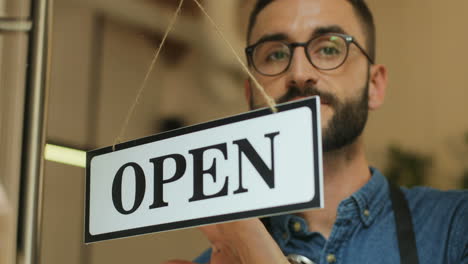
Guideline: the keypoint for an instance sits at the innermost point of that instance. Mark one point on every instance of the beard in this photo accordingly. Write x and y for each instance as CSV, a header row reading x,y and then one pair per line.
x,y
347,124
348,121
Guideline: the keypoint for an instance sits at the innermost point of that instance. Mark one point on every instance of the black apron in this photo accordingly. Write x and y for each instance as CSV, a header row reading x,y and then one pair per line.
x,y
404,227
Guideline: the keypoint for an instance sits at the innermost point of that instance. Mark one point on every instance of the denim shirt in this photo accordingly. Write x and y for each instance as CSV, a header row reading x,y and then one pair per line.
x,y
364,231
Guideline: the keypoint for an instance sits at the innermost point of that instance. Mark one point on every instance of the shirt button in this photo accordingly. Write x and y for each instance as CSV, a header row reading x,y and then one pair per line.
x,y
285,235
297,226
366,213
331,258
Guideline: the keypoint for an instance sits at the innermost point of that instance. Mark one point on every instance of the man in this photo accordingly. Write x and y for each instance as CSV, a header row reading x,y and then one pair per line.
x,y
300,48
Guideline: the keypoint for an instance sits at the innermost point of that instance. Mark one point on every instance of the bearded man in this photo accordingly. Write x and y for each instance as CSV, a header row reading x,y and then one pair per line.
x,y
301,48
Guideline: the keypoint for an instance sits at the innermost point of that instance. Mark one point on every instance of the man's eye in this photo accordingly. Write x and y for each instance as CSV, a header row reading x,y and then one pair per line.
x,y
329,51
277,56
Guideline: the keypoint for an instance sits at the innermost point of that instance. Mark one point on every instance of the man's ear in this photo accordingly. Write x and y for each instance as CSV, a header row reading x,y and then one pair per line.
x,y
247,90
377,86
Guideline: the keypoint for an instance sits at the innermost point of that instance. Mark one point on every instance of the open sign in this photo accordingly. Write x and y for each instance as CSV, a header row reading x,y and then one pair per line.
x,y
249,165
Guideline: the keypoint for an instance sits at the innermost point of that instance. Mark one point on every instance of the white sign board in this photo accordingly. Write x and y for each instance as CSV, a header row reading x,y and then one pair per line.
x,y
249,165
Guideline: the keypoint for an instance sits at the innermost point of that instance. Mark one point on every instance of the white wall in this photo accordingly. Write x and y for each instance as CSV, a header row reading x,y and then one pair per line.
x,y
422,44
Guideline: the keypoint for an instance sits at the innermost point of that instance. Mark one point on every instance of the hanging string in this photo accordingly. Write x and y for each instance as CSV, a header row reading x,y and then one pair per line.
x,y
145,80
270,101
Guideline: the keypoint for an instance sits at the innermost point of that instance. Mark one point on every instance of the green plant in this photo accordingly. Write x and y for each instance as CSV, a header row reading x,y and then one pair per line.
x,y
407,168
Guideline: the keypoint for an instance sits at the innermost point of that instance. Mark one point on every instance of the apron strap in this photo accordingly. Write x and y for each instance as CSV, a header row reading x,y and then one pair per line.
x,y
404,226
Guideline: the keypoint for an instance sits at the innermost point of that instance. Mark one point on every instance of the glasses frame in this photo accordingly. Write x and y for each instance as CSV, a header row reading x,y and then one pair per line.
x,y
292,47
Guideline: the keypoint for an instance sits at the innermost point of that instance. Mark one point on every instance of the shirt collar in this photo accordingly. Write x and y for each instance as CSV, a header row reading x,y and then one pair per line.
x,y
370,199
367,202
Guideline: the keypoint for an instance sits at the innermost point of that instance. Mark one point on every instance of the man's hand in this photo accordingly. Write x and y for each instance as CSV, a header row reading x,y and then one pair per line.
x,y
241,242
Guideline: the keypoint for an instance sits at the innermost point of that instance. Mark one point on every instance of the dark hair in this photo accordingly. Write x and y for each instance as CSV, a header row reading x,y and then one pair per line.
x,y
359,6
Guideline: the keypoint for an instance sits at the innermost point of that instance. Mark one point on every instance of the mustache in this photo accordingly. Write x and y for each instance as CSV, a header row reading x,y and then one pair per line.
x,y
309,90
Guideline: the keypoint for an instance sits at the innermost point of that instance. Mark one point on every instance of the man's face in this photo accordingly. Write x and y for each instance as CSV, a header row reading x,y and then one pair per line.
x,y
343,91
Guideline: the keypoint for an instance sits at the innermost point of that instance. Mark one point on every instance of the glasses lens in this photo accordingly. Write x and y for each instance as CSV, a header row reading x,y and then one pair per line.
x,y
327,52
271,57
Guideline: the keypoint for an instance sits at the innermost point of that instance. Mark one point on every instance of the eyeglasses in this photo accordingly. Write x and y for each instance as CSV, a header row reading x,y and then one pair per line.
x,y
325,52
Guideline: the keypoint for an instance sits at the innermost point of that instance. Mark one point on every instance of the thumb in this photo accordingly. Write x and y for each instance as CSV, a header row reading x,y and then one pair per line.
x,y
245,240
234,231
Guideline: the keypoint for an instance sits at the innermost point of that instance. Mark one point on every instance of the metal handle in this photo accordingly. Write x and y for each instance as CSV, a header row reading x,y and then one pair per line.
x,y
34,134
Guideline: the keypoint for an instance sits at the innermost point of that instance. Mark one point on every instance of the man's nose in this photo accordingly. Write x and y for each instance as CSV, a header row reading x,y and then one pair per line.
x,y
301,71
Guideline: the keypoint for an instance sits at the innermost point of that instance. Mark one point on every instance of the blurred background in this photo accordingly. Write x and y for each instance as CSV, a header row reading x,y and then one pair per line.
x,y
101,50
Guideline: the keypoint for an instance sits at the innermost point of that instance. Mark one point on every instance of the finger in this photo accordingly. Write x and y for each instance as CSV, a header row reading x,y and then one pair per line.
x,y
211,232
241,229
224,254
246,240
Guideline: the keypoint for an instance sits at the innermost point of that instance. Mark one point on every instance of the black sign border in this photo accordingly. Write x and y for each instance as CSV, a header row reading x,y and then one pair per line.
x,y
312,103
